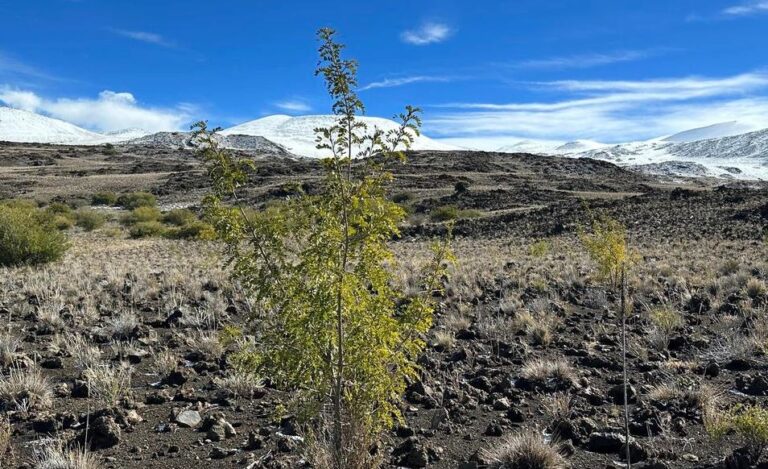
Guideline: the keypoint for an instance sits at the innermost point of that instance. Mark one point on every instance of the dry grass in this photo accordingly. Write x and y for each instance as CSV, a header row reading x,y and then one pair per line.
x,y
109,384
166,362
9,344
56,455
240,383
541,371
26,388
526,451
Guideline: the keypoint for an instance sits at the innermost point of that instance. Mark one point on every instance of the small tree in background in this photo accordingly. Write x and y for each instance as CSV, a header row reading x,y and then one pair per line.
x,y
336,327
607,246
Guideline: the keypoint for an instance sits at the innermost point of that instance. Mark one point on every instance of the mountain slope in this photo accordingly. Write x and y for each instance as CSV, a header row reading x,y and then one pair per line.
x,y
297,134
24,126
742,156
723,129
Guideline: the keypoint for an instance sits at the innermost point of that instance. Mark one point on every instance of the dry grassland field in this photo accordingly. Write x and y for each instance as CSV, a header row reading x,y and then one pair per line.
x,y
124,346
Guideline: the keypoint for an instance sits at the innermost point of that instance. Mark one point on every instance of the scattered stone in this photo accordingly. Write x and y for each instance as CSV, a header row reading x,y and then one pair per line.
x,y
188,418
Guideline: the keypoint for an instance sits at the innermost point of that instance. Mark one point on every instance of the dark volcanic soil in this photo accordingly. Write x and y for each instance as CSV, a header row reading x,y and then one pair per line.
x,y
506,307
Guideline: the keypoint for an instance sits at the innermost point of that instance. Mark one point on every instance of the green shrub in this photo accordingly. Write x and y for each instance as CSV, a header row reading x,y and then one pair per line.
x,y
445,213
403,198
146,229
134,200
89,220
62,223
179,217
540,248
451,212
140,215
29,236
104,198
196,230
59,208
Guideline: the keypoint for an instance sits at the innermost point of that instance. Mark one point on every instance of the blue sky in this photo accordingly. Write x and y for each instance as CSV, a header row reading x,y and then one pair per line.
x,y
608,70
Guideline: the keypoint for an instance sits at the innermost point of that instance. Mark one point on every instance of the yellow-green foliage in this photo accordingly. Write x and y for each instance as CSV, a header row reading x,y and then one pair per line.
x,y
89,219
195,230
540,248
340,332
607,246
134,200
147,229
451,212
141,215
29,236
104,198
179,217
749,422
666,319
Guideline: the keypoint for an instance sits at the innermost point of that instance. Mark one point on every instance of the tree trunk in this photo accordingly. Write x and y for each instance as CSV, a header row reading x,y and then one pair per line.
x,y
624,358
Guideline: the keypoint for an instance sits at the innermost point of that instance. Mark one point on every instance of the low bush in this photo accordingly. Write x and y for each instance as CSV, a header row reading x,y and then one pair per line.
x,y
89,220
141,215
104,198
451,212
179,217
197,230
146,229
29,236
134,200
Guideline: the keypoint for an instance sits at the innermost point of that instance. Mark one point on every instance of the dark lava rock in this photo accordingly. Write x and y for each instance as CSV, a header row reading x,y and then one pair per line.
x,y
104,432
698,304
617,394
411,453
606,442
752,385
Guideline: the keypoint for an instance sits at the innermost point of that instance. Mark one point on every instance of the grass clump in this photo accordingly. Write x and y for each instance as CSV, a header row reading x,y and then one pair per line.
x,y
134,200
25,388
451,212
29,236
749,422
104,198
141,215
179,217
147,229
526,451
89,220
195,230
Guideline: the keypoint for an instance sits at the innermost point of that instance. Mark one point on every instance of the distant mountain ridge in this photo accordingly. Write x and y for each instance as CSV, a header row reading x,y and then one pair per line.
x,y
721,150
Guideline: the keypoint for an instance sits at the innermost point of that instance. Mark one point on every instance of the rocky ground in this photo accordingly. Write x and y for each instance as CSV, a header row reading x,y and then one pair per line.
x,y
123,338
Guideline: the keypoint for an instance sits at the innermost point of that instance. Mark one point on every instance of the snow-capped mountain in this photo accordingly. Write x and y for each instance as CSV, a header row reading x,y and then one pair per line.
x,y
17,125
297,134
722,129
24,126
743,156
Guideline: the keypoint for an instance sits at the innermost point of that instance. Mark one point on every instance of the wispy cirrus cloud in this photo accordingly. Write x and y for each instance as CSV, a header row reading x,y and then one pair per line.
x,y
428,33
401,81
293,105
108,111
612,111
747,9
144,36
11,67
587,60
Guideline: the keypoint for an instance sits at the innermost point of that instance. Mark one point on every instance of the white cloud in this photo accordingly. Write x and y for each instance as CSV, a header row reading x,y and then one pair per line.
x,y
393,82
294,105
746,9
613,111
108,112
586,60
144,36
428,33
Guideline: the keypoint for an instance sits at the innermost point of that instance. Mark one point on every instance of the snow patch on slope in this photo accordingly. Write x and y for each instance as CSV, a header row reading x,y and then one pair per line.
x,y
17,125
297,134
